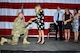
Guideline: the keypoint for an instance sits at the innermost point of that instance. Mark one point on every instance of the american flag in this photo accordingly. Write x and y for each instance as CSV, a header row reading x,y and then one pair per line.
x,y
23,13
10,8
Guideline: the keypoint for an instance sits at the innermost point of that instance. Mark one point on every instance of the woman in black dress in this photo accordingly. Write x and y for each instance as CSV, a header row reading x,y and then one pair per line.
x,y
67,17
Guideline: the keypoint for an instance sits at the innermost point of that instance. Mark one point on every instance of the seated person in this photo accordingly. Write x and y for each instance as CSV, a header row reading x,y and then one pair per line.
x,y
18,29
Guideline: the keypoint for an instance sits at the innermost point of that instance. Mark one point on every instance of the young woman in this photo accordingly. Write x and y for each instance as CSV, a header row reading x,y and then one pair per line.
x,y
67,17
40,23
76,24
39,19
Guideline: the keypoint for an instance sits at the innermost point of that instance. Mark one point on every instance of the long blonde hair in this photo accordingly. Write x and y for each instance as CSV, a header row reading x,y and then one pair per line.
x,y
37,9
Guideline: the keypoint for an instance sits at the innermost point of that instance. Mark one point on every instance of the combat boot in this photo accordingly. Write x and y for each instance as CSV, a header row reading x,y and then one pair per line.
x,y
3,40
25,41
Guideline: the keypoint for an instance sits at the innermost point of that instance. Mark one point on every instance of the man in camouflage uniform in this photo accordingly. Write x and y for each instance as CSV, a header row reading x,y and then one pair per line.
x,y
18,29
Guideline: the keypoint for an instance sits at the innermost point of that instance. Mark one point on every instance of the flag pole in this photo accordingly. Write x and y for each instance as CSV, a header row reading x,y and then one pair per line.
x,y
23,12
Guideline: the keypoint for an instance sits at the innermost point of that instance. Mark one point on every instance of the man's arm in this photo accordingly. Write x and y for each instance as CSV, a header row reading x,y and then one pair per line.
x,y
29,22
54,17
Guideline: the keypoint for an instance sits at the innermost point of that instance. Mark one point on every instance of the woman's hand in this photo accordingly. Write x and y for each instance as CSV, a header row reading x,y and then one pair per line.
x,y
65,22
29,21
33,19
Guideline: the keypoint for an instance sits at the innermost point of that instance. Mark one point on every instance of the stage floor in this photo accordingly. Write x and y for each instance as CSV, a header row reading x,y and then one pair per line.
x,y
50,45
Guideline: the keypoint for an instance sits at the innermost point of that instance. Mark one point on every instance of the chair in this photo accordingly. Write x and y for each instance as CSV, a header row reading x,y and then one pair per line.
x,y
52,29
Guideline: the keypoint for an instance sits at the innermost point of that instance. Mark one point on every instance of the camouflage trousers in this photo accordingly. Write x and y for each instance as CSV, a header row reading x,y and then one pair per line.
x,y
16,36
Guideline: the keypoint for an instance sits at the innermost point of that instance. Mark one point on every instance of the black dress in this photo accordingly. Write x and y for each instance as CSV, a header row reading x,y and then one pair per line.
x,y
68,25
40,20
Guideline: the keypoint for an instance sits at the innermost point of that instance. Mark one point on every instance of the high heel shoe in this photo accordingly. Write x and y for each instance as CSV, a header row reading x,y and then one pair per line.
x,y
75,41
66,40
42,43
38,42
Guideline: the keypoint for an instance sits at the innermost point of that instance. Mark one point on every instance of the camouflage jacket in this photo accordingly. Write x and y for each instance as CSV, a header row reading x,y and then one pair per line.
x,y
18,26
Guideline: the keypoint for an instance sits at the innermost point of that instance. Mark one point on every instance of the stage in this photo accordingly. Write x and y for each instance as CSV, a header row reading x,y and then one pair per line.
x,y
50,45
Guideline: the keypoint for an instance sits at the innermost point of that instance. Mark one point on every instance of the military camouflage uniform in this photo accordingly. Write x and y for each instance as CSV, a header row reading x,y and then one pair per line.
x,y
18,29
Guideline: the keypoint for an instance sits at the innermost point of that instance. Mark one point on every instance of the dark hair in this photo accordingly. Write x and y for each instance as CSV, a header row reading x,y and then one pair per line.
x,y
76,9
68,10
58,7
38,5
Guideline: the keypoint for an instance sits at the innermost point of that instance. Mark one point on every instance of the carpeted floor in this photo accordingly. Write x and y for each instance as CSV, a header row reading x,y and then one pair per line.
x,y
50,45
